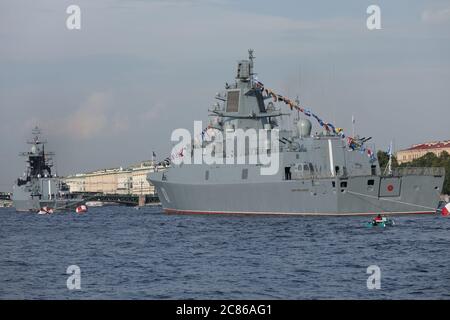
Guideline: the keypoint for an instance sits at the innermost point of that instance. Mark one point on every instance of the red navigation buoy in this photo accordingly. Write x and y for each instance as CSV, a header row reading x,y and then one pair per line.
x,y
81,209
446,210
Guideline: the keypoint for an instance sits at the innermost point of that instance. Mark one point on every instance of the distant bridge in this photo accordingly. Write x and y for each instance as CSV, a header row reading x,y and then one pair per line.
x,y
123,199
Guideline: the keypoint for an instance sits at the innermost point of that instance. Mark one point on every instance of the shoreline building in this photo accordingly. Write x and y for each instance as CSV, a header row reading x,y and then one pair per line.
x,y
419,150
124,181
131,180
140,184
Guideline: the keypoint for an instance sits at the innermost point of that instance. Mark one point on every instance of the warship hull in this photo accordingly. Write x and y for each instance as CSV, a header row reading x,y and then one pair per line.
x,y
23,202
414,194
326,173
36,205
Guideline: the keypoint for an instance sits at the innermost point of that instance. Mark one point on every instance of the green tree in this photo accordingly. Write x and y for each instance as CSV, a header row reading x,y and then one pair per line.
x,y
383,159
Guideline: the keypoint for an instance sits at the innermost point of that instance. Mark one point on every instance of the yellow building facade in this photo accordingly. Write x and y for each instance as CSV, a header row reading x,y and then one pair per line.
x,y
140,182
419,150
132,180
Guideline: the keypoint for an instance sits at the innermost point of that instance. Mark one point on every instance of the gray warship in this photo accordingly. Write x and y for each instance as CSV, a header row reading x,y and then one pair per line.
x,y
319,174
38,187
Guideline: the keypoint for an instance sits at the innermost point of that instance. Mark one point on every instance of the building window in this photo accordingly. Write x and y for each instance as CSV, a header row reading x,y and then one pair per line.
x,y
207,175
370,182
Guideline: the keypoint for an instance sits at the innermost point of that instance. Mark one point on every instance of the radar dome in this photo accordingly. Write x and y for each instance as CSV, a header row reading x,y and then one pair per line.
x,y
304,127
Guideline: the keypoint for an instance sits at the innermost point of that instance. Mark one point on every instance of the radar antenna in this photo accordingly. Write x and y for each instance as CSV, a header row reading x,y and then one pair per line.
x,y
36,131
251,57
297,102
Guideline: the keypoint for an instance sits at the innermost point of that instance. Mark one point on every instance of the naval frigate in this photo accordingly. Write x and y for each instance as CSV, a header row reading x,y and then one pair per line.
x,y
319,174
38,187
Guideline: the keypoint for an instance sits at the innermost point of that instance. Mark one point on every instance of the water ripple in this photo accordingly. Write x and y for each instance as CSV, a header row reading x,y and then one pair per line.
x,y
128,254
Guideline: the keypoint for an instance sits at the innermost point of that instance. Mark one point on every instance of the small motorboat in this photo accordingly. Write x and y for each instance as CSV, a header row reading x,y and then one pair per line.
x,y
45,210
380,222
95,203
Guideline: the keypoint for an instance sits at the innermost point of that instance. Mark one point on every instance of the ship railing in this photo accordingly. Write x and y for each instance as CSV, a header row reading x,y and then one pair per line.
x,y
314,176
419,171
396,172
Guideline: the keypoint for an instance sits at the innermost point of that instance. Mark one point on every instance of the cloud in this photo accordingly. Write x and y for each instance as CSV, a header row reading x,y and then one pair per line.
x,y
183,2
157,29
91,118
154,112
119,123
436,16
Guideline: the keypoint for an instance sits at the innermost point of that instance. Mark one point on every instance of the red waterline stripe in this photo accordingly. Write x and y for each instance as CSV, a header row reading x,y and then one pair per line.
x,y
176,211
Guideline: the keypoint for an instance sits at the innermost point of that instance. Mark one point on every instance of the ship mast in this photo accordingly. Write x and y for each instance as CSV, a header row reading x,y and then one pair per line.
x,y
39,161
297,101
251,57
388,169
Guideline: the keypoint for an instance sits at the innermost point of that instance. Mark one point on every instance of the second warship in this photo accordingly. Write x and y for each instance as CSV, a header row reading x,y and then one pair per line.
x,y
39,188
326,173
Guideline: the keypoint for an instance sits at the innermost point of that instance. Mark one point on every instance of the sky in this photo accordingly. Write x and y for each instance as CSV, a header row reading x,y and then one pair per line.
x,y
111,93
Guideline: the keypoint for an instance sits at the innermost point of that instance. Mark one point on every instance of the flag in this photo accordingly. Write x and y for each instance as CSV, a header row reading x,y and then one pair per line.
x,y
371,155
446,210
154,154
353,119
389,151
307,112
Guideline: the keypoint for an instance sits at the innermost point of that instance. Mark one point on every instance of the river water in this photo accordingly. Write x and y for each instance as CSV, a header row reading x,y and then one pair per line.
x,y
124,253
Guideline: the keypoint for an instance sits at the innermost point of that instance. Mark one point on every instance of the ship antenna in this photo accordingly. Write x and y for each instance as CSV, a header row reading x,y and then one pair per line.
x,y
297,102
36,131
251,57
388,168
